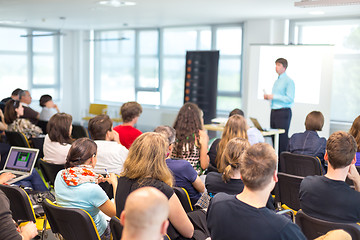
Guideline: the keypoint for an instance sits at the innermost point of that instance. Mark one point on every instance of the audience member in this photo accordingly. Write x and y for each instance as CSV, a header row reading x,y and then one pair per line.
x,y
254,135
244,216
309,142
14,96
145,215
111,154
58,138
328,197
145,166
4,147
191,138
184,174
13,111
130,112
77,185
235,127
355,132
49,108
29,113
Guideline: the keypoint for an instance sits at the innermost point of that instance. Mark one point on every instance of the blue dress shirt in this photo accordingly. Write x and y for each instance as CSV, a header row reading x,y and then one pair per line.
x,y
283,92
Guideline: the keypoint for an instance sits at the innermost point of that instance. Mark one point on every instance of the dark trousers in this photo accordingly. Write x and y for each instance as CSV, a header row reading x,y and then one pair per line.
x,y
280,118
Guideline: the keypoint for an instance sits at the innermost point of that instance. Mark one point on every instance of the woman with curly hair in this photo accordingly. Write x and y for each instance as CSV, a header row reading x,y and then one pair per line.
x,y
236,126
191,138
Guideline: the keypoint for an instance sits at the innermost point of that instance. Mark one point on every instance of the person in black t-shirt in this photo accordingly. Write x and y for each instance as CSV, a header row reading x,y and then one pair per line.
x,y
328,197
244,216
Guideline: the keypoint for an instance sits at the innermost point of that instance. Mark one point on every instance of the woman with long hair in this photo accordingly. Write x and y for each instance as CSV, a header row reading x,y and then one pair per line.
x,y
355,132
236,126
77,185
191,138
145,166
13,111
58,138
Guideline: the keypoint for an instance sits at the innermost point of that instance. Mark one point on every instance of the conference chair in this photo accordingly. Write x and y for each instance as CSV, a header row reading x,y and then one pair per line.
x,y
43,125
49,171
300,165
79,131
17,139
313,227
71,223
184,198
288,191
95,109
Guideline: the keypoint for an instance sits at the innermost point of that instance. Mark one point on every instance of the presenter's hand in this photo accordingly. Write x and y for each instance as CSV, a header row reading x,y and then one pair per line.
x,y
268,96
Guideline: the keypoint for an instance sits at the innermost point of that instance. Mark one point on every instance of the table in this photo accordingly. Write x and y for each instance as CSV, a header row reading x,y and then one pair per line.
x,y
272,132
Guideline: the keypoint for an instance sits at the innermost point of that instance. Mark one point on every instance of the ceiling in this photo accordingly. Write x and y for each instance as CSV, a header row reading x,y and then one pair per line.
x,y
87,14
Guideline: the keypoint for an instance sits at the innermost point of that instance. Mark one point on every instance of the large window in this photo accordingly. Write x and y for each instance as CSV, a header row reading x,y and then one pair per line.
x,y
29,59
148,65
345,35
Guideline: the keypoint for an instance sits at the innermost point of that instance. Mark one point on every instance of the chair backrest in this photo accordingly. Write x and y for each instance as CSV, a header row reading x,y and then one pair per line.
x,y
71,223
20,204
17,139
299,165
50,170
42,124
289,186
97,109
313,227
116,228
79,131
184,198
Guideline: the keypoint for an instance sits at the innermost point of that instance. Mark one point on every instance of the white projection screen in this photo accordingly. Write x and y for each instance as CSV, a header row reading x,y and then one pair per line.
x,y
310,66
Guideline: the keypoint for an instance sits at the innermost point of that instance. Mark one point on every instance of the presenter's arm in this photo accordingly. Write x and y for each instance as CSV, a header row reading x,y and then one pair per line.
x,y
289,95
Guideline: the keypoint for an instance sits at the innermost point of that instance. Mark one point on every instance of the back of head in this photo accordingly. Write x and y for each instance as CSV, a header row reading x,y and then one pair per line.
x,y
355,131
98,126
58,128
314,121
283,62
146,159
167,131
146,209
341,148
236,126
16,92
257,165
230,159
44,99
81,150
10,114
236,111
130,110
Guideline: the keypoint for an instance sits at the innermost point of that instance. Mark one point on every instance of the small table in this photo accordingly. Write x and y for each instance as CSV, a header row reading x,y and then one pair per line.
x,y
272,132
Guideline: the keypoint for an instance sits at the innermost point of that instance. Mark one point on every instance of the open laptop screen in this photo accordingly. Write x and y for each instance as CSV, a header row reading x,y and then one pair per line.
x,y
21,159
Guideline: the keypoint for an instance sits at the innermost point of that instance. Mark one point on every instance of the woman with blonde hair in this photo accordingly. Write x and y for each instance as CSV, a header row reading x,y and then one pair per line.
x,y
145,166
191,138
236,126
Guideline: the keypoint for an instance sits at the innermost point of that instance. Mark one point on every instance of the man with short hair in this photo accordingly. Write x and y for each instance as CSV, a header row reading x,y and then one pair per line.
x,y
14,96
328,197
130,112
25,98
244,216
145,216
111,154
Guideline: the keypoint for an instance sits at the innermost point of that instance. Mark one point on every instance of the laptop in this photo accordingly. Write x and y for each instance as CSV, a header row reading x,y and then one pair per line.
x,y
257,124
20,162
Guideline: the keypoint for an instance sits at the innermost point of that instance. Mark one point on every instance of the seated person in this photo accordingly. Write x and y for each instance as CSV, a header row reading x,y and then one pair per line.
x,y
145,215
184,174
111,154
244,216
29,113
49,108
355,132
77,185
309,142
14,96
58,140
130,112
328,197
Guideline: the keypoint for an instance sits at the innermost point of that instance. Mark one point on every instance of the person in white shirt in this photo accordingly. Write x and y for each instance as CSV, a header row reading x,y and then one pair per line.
x,y
49,108
58,140
111,154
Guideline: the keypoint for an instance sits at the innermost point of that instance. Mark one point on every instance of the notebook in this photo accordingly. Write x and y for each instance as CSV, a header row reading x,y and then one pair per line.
x,y
257,125
20,162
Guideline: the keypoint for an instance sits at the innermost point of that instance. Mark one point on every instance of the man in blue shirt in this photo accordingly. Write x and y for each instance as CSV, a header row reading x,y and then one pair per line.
x,y
282,99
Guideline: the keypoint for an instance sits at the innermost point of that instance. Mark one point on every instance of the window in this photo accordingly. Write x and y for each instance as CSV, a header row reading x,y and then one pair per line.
x,y
29,62
345,35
